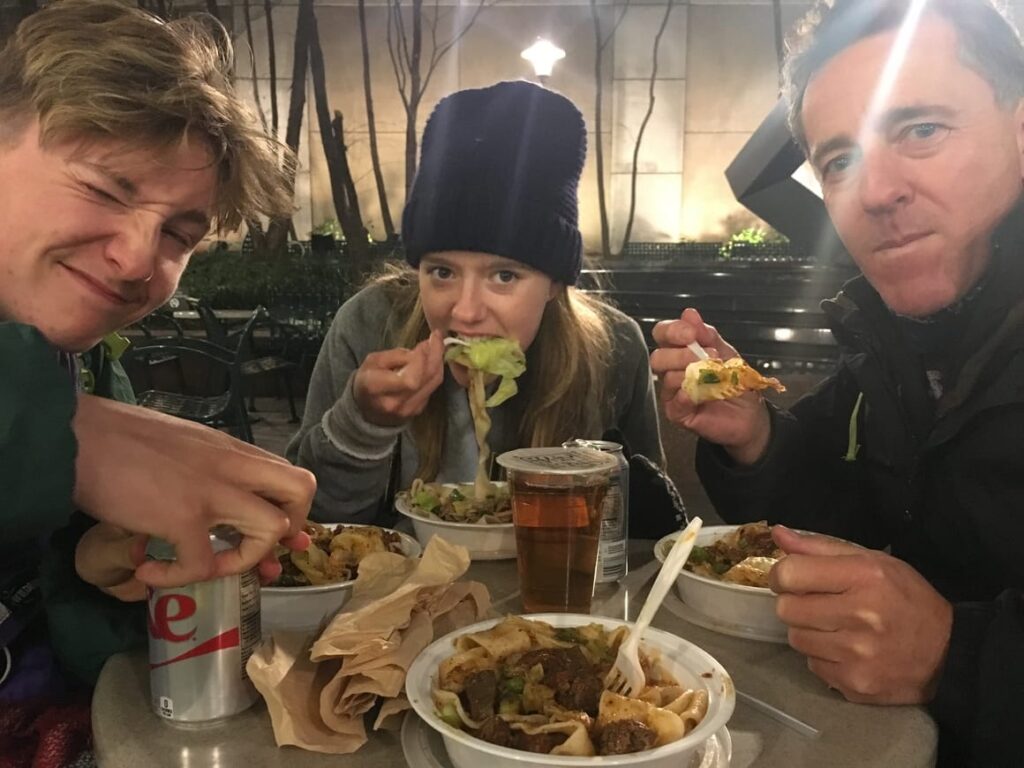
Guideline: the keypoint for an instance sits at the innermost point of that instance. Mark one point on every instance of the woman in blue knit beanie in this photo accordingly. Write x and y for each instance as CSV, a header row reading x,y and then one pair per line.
x,y
491,232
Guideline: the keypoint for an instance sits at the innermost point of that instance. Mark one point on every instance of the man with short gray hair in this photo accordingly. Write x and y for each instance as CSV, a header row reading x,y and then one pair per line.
x,y
911,115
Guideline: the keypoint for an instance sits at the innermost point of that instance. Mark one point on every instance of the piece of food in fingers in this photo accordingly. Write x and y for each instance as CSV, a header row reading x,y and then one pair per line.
x,y
716,380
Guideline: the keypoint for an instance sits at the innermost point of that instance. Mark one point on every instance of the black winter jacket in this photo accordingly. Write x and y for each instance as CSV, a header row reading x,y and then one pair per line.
x,y
941,482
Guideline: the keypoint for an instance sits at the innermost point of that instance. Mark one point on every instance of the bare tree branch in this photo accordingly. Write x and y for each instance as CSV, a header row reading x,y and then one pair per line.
x,y
395,59
439,54
643,127
378,174
351,198
416,89
599,46
407,62
400,26
615,26
279,229
472,20
433,28
268,11
300,66
252,63
332,138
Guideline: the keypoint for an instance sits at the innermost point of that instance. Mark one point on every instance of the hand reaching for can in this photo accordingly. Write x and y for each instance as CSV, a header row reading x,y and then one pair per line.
x,y
161,476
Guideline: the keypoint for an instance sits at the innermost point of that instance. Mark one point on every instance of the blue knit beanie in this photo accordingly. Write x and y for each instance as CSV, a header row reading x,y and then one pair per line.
x,y
499,172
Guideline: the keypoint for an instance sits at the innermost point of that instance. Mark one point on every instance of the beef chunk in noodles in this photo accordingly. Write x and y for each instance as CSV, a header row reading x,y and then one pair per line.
x,y
542,743
496,731
624,736
583,694
480,692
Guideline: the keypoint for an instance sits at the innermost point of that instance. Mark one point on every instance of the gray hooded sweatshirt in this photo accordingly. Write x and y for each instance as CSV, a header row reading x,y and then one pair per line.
x,y
352,458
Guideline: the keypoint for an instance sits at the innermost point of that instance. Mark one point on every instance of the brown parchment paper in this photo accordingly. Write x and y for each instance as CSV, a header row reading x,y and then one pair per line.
x,y
318,688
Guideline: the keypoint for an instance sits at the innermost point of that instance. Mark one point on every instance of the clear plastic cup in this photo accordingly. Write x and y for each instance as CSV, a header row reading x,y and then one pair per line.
x,y
557,496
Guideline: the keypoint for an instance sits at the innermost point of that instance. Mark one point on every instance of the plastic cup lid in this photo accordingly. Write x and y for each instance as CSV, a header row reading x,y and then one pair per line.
x,y
601,445
558,461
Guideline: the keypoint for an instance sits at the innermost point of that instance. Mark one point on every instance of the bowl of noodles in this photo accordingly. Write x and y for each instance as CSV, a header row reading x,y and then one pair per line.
x,y
528,691
724,585
316,583
480,522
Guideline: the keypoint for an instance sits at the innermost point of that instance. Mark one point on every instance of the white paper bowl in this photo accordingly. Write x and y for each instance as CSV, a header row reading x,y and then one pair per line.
x,y
485,541
303,608
690,665
732,609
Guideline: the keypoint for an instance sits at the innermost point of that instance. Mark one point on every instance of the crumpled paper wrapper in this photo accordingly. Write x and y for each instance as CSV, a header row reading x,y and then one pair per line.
x,y
319,693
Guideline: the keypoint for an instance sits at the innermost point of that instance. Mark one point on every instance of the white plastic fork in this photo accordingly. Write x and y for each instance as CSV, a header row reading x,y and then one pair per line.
x,y
698,350
626,677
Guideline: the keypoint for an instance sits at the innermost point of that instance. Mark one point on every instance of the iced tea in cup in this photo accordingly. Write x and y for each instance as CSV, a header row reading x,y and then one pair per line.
x,y
556,511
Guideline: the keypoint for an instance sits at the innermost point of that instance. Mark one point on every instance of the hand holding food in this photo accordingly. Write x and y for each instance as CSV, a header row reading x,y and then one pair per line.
x,y
870,625
394,385
206,478
492,356
740,424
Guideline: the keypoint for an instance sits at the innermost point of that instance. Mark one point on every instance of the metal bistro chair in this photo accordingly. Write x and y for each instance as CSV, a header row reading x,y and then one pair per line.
x,y
252,364
162,324
221,404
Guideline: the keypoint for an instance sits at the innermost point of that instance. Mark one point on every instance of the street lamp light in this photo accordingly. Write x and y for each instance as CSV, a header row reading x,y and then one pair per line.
x,y
542,55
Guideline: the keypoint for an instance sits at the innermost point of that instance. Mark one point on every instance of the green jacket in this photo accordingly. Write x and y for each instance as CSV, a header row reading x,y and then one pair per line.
x,y
37,456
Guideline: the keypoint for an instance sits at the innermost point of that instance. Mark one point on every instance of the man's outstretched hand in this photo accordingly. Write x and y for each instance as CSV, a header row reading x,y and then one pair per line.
x,y
153,474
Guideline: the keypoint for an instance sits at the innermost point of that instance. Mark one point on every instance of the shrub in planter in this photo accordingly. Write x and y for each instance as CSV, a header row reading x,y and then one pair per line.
x,y
325,236
297,279
752,243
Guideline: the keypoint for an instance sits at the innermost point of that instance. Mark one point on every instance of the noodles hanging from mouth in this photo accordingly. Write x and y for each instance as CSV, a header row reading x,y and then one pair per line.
x,y
481,356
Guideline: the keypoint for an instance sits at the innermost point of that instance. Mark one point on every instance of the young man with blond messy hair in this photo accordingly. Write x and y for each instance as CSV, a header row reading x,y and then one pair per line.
x,y
122,143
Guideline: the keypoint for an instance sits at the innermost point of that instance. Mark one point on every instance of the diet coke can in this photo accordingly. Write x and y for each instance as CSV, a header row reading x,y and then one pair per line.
x,y
200,637
612,563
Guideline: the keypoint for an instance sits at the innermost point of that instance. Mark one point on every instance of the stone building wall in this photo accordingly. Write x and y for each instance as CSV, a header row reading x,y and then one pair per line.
x,y
716,80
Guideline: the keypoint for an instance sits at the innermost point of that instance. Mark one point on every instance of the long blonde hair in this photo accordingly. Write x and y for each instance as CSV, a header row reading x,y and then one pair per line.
x,y
562,393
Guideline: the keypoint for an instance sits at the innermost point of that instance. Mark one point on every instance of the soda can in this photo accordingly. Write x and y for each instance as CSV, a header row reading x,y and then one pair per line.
x,y
200,638
612,562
